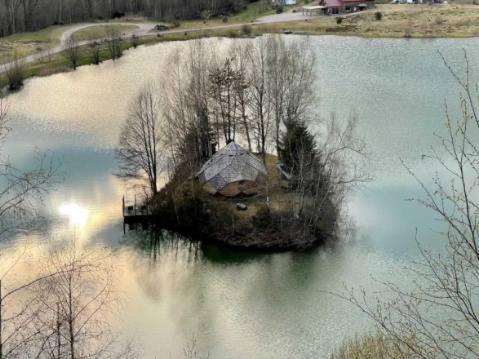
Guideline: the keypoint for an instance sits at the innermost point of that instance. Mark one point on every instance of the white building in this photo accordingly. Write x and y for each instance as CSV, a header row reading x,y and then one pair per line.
x,y
284,2
233,171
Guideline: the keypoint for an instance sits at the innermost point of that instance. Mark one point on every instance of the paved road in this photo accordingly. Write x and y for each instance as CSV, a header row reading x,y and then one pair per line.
x,y
145,29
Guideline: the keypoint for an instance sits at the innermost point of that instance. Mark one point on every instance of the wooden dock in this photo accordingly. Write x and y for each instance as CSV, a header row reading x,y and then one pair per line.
x,y
135,212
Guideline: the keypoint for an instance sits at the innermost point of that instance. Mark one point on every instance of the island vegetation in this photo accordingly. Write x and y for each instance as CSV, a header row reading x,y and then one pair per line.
x,y
262,94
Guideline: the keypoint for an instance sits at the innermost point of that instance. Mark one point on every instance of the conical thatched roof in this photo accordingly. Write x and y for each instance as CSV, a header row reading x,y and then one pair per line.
x,y
230,164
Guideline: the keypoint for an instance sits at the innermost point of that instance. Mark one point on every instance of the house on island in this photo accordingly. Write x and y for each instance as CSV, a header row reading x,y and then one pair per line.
x,y
233,171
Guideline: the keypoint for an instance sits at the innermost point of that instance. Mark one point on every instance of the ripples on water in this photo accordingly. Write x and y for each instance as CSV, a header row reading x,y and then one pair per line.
x,y
241,305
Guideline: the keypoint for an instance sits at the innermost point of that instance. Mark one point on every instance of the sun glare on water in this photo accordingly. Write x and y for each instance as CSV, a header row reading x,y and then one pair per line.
x,y
76,214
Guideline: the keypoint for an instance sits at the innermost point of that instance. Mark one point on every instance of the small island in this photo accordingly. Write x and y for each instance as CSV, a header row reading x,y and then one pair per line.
x,y
242,200
231,145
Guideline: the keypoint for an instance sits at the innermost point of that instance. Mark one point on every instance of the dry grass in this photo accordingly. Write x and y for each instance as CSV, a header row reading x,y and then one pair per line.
x,y
280,199
27,43
397,21
368,347
100,31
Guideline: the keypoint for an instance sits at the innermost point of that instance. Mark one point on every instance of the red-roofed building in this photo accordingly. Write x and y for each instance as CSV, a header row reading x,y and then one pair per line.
x,y
339,6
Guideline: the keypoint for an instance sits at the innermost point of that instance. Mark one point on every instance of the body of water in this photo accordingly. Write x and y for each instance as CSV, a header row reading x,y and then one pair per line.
x,y
240,305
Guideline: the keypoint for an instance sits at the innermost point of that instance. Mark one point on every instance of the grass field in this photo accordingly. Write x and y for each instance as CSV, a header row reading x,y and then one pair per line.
x,y
423,21
100,31
27,43
30,42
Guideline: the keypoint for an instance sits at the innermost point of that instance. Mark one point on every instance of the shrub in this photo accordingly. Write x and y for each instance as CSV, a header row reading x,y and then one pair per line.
x,y
95,53
117,15
262,219
225,19
71,52
115,44
233,33
378,15
246,30
374,346
438,20
135,41
339,20
206,14
15,74
363,348
278,9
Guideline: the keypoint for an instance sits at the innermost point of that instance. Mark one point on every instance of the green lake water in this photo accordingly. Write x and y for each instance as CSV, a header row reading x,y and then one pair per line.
x,y
241,305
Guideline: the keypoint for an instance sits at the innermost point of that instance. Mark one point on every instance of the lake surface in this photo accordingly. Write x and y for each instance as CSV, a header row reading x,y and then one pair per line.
x,y
241,305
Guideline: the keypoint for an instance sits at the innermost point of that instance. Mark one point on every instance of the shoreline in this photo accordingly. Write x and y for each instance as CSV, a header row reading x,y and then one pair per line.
x,y
57,64
411,22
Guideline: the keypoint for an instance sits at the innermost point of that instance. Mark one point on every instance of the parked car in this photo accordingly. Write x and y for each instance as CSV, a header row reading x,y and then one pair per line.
x,y
162,27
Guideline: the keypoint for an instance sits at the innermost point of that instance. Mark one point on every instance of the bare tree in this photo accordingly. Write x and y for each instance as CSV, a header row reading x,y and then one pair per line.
x,y
20,309
291,79
240,61
140,147
95,51
20,191
439,317
62,310
72,52
324,167
12,7
18,333
75,300
260,99
29,7
190,137
3,120
197,68
225,85
115,42
15,72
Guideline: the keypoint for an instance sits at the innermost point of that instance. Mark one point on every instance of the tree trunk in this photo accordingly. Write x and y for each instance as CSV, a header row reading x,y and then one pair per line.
x,y
71,321
1,322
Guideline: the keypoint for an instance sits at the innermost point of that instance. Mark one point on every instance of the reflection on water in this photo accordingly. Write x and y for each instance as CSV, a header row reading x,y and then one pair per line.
x,y
77,215
242,305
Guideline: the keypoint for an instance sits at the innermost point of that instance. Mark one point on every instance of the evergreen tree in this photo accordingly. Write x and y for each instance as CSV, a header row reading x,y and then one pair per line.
x,y
297,147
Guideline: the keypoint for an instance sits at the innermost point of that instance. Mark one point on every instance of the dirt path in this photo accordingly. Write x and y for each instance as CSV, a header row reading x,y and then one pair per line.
x,y
141,30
